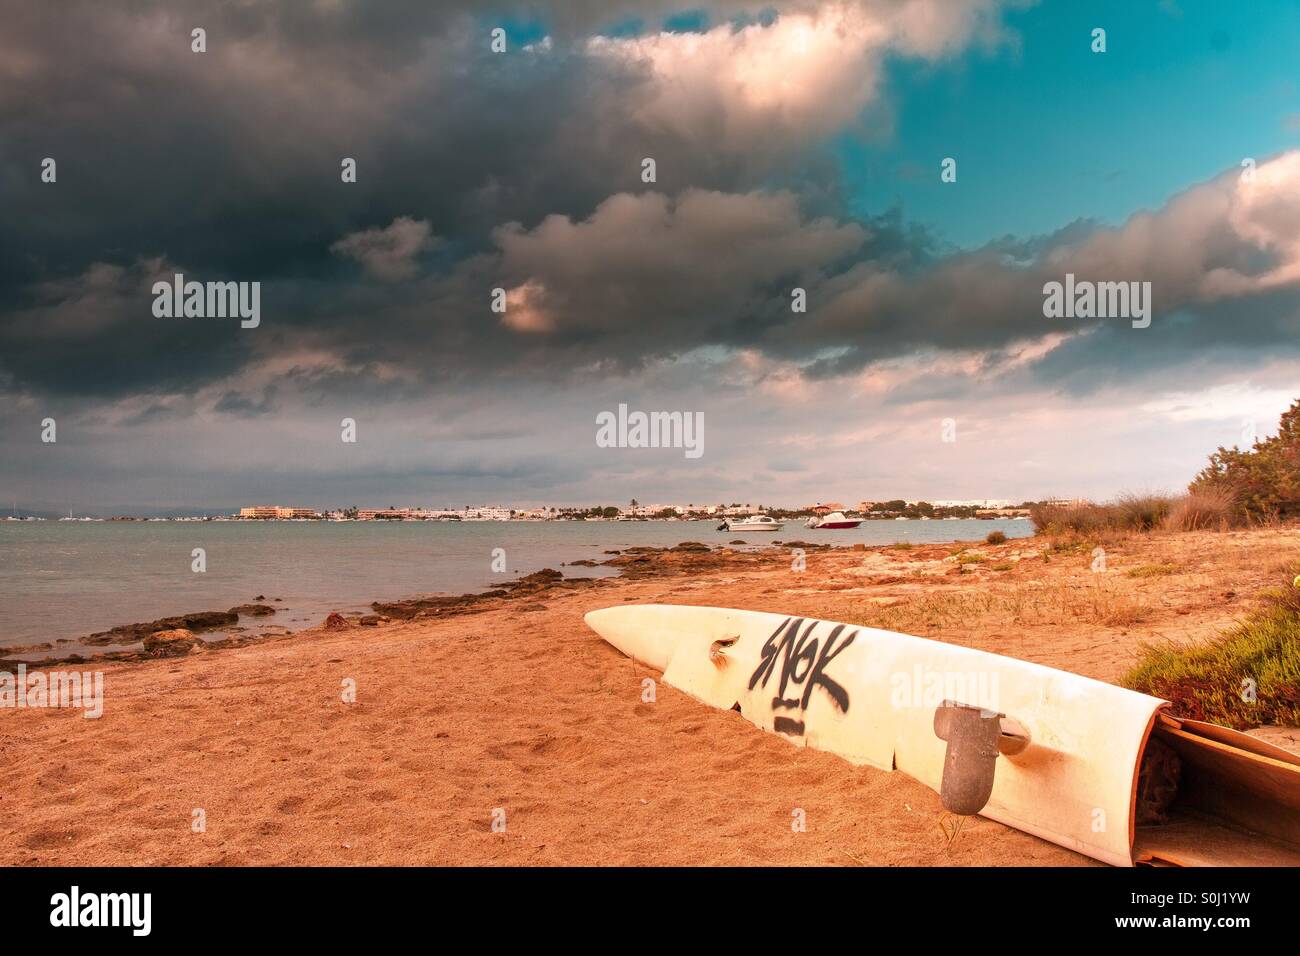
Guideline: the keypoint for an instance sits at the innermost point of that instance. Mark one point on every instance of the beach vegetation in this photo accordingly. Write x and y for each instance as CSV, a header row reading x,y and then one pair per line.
x,y
1202,509
1262,481
1247,677
1256,486
1151,570
1028,605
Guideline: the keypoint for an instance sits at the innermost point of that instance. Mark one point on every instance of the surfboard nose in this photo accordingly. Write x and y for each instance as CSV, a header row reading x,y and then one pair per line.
x,y
640,631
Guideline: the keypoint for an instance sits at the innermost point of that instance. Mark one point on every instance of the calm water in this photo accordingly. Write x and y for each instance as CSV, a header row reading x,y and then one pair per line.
x,y
61,580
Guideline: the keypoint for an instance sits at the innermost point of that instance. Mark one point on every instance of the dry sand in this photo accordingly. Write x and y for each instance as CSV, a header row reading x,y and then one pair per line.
x,y
517,705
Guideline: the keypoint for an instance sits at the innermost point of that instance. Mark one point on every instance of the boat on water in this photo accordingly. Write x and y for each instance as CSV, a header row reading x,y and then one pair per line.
x,y
832,522
752,523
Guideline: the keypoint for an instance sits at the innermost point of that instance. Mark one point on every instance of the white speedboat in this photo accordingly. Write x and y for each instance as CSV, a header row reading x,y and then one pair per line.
x,y
752,523
832,522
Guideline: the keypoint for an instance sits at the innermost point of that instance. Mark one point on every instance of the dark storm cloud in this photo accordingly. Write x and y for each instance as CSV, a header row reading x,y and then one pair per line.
x,y
95,334
230,159
521,172
1186,345
226,163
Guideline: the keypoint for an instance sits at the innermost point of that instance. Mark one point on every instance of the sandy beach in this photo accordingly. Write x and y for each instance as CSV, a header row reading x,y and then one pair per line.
x,y
512,703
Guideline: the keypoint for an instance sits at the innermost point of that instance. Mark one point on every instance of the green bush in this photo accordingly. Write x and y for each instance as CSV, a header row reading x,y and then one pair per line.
x,y
1259,659
1263,481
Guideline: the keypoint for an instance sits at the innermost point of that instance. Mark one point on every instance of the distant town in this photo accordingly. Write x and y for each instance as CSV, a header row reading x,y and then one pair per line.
x,y
986,508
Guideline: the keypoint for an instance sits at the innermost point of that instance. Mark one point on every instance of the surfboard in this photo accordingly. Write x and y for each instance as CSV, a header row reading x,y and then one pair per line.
x,y
1067,758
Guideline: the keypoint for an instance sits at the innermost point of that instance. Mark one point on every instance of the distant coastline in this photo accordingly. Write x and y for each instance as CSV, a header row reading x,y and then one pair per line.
x,y
986,509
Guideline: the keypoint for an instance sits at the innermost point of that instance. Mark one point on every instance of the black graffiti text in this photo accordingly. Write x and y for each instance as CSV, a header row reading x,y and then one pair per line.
x,y
803,666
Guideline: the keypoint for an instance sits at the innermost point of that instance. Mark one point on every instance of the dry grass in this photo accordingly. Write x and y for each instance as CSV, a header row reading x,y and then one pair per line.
x,y
1203,510
1206,509
1143,512
1103,603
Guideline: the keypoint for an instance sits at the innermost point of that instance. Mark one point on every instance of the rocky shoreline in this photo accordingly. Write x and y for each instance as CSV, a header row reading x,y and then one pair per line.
x,y
179,635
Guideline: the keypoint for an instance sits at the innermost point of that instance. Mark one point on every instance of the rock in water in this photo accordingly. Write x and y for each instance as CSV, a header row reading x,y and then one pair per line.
x,y
253,610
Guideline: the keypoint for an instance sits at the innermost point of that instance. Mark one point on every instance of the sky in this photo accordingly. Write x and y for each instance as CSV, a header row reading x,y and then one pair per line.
x,y
503,270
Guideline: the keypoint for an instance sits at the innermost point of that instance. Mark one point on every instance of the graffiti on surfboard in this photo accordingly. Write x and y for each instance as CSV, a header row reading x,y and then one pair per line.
x,y
801,660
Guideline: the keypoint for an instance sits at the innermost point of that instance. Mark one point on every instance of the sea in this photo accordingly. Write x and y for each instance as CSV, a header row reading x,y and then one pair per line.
x,y
60,580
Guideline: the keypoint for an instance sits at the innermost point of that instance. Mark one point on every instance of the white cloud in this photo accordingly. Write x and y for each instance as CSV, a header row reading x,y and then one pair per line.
x,y
1228,402
1265,211
808,73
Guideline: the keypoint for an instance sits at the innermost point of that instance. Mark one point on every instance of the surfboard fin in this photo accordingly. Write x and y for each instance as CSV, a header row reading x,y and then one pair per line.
x,y
975,738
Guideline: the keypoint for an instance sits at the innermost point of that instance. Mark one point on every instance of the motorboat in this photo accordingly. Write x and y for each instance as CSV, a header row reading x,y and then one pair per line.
x,y
832,522
752,523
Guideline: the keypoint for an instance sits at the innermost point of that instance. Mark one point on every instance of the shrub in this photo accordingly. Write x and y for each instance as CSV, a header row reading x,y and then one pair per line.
x,y
1060,519
1127,513
1142,512
1203,509
996,537
1263,480
1210,681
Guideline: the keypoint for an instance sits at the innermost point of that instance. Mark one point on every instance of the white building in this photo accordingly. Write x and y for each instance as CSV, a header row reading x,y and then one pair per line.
x,y
974,503
487,513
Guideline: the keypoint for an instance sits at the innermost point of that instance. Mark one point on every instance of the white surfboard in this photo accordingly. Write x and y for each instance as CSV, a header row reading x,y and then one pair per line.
x,y
1067,757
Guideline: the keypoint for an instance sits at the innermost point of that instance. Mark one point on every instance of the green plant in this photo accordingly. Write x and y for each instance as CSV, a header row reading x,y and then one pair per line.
x,y
1151,570
1248,676
1263,480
